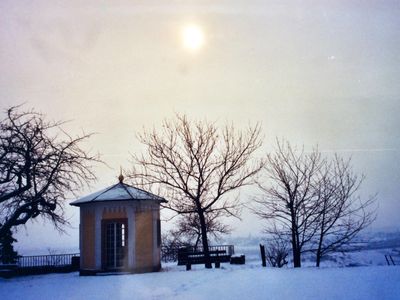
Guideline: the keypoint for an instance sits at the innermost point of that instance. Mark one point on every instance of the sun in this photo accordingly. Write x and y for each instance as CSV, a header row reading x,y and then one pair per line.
x,y
192,37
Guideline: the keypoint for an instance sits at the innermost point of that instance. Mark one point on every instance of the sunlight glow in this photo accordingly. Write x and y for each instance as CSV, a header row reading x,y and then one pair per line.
x,y
193,37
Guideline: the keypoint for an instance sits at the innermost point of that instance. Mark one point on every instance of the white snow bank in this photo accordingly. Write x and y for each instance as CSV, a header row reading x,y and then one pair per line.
x,y
237,255
230,282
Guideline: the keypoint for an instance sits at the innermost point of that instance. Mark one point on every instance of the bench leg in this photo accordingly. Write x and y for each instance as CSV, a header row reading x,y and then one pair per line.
x,y
188,267
217,264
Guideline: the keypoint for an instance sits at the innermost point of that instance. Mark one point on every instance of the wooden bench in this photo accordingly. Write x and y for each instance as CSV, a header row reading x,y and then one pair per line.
x,y
190,258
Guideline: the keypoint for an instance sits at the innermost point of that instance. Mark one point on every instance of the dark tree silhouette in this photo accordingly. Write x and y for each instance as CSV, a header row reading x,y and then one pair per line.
x,y
39,165
196,166
7,253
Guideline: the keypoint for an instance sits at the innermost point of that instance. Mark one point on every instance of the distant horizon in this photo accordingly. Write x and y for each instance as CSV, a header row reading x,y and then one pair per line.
x,y
71,244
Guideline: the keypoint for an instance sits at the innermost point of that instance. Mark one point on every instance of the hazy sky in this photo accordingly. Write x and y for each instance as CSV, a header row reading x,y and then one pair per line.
x,y
325,72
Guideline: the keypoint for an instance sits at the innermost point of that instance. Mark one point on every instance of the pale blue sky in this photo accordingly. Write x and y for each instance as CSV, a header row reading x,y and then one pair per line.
x,y
311,72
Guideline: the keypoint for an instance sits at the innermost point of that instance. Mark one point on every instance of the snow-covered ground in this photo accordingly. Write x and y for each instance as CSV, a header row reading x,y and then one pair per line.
x,y
249,281
361,274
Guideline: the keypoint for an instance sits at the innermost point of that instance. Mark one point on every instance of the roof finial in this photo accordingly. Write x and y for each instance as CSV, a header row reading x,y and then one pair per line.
x,y
120,177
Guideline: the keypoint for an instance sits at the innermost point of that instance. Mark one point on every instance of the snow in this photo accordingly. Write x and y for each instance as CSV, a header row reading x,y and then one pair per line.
x,y
238,255
119,191
370,278
249,281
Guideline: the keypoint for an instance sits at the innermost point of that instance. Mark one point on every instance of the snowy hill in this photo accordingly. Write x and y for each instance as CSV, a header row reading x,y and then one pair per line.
x,y
369,249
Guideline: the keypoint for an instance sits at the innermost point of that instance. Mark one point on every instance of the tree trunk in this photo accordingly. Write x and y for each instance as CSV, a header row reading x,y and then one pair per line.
x,y
197,241
318,258
295,244
204,240
319,249
296,257
296,251
321,236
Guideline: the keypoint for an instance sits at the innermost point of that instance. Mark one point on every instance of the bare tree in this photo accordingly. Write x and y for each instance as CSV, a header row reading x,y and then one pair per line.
x,y
171,243
195,166
39,165
277,249
314,199
289,199
342,213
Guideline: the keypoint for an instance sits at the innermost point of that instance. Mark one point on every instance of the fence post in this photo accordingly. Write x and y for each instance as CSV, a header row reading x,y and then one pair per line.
x,y
217,262
387,260
262,250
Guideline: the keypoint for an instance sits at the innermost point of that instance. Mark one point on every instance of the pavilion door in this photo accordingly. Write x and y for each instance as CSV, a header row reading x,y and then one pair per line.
x,y
115,244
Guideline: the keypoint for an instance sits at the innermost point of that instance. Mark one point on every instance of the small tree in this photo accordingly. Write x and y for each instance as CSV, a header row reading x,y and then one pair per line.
x,y
277,250
195,166
187,233
171,242
39,165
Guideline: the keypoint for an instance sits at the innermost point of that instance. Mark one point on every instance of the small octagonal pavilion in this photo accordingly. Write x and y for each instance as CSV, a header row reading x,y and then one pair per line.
x,y
119,230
